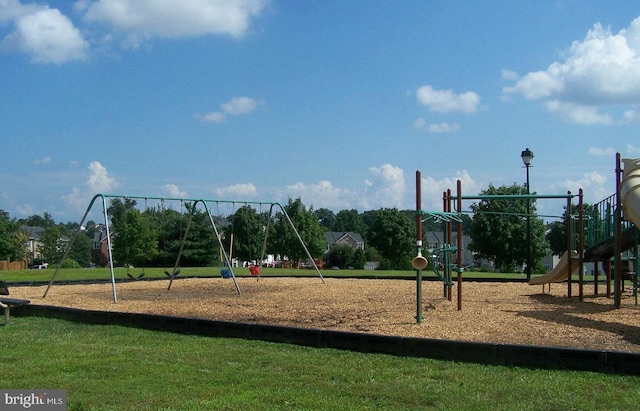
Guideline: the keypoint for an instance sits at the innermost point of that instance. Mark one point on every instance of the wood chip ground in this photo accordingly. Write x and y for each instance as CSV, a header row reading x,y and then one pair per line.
x,y
491,312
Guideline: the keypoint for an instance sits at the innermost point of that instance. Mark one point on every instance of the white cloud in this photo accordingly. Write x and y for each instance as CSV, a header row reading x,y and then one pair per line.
x,y
235,107
75,199
509,75
43,160
593,185
49,36
602,70
386,188
243,191
632,116
322,195
98,182
446,101
240,105
419,123
432,189
601,152
443,128
13,9
632,151
579,114
144,19
25,209
45,34
172,190
213,117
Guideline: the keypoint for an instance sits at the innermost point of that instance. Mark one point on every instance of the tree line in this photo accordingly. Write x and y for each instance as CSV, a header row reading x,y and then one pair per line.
x,y
152,236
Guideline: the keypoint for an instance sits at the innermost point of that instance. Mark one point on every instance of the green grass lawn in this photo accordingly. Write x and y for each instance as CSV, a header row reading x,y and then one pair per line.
x,y
82,274
120,368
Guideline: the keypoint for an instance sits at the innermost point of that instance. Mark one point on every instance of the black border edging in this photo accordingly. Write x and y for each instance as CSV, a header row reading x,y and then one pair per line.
x,y
482,353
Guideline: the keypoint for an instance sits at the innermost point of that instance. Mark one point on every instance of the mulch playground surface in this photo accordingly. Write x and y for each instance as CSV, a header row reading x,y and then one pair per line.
x,y
511,313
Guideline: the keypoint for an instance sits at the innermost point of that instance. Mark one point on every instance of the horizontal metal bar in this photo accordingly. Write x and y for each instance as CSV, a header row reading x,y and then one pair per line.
x,y
515,196
206,200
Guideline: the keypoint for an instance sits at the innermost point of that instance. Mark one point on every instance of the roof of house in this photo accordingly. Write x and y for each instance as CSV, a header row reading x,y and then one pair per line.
x,y
34,232
333,237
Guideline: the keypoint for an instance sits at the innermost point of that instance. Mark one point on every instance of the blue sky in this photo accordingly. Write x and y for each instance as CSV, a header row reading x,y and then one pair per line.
x,y
336,102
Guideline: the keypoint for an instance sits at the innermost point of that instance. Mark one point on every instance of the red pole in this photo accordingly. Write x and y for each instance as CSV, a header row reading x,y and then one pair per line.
x,y
569,242
418,210
449,241
459,263
580,243
595,278
419,245
445,208
608,269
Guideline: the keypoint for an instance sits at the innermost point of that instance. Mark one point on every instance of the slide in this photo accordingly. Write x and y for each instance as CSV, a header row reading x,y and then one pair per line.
x,y
559,273
630,190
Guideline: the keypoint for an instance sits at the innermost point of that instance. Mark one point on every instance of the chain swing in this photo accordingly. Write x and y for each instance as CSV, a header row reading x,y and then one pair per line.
x,y
254,269
144,262
176,267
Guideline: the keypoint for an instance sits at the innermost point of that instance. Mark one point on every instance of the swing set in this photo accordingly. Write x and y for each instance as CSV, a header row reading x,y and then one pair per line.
x,y
194,202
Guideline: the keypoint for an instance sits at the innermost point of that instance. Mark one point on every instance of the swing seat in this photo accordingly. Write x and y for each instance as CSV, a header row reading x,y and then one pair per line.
x,y
254,270
225,273
139,277
4,290
174,275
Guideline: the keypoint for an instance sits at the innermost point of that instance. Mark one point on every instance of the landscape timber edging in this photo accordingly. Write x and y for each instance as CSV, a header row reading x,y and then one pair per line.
x,y
512,355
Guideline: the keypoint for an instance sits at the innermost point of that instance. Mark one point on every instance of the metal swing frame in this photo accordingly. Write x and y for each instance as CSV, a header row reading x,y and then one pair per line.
x,y
194,201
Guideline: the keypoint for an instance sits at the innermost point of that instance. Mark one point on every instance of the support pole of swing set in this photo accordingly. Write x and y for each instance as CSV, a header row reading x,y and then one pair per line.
x,y
304,246
459,260
66,254
419,262
184,240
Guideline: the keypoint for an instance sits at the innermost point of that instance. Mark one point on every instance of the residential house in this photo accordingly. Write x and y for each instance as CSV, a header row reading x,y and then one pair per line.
x,y
434,240
33,240
100,243
352,239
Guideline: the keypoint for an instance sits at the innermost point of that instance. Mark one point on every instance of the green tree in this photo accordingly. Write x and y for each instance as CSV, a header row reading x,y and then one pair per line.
x,y
284,240
350,221
340,255
392,235
201,246
499,228
170,225
247,228
358,259
557,230
326,218
12,239
119,207
44,221
135,241
81,249
52,245
345,256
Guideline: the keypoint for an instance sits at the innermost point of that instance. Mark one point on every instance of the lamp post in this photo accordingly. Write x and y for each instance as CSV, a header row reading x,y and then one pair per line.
x,y
527,158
